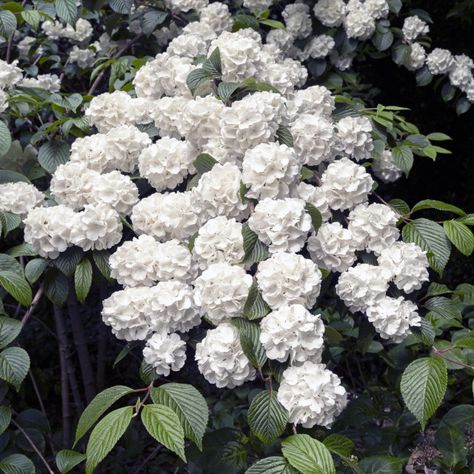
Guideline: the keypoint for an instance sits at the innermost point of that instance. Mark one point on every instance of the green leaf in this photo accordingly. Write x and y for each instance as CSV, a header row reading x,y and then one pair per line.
x,y
315,215
8,176
452,445
308,455
151,19
403,158
267,417
213,65
163,424
423,386
284,136
204,163
460,236
254,249
5,418
431,237
17,464
67,459
188,404
226,89
277,25
5,139
338,444
66,10
22,250
14,365
32,17
101,260
106,435
468,219
98,406
271,465
83,279
196,78
56,286
401,54
255,307
443,307
52,154
244,21
9,222
126,349
400,206
8,263
423,76
34,269
250,341
121,6
382,40
381,465
7,23
439,205
436,136
16,286
9,330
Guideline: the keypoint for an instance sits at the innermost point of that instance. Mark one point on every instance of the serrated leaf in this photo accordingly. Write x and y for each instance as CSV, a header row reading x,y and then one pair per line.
x,y
68,260
9,330
34,269
213,65
16,286
14,365
17,464
381,465
5,418
443,307
121,6
197,78
83,279
308,455
316,218
267,417
151,19
67,459
7,23
452,445
66,10
400,206
460,236
255,307
431,237
56,286
125,351
382,40
339,444
32,17
226,89
425,333
163,424
98,406
52,154
423,386
8,222
271,465
22,250
188,404
403,158
439,205
204,163
284,136
250,341
101,260
254,249
5,139
106,435
244,21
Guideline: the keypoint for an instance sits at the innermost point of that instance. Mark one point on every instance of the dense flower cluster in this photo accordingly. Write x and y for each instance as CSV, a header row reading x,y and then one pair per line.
x,y
247,221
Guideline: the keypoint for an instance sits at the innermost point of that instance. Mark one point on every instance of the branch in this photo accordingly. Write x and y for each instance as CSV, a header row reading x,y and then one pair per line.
x,y
34,303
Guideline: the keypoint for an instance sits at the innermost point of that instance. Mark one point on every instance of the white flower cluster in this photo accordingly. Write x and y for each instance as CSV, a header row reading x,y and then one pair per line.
x,y
190,262
19,198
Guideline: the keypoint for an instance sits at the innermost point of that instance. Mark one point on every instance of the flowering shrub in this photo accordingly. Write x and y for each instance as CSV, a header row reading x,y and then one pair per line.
x,y
210,184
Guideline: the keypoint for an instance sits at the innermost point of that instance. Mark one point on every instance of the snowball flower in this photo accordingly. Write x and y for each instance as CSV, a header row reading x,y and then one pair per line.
x,y
165,353
10,74
269,170
439,61
49,82
314,100
312,394
313,139
346,184
297,19
282,224
257,6
292,333
171,307
414,26
167,113
355,139
373,226
330,12
107,111
417,57
167,216
461,74
288,278
319,47
384,167
219,240
358,23
221,291
166,163
217,16
220,358
377,8
98,227
315,196
393,317
186,5
333,247
362,286
48,229
19,198
406,264
188,45
124,311
93,152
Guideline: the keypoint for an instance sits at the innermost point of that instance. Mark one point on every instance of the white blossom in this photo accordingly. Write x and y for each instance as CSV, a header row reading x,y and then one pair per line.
x,y
107,111
393,317
297,19
362,286
217,16
377,8
359,23
19,197
257,6
165,353
221,291
282,224
330,12
288,278
49,82
221,360
314,100
461,73
167,114
355,139
414,26
385,168
312,394
93,152
440,61
292,333
315,196
186,5
10,74
83,57
417,57
319,47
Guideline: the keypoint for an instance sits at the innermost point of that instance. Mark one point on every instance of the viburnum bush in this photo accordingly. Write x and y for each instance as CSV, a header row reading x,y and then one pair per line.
x,y
203,266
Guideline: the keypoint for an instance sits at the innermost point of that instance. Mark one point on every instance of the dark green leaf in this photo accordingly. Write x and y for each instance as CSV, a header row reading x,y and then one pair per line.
x,y
83,279
52,154
67,459
66,10
9,330
17,286
204,163
5,137
460,236
14,365
254,249
250,341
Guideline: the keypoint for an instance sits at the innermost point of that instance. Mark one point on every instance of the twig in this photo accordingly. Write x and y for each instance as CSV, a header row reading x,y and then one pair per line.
x,y
81,346
9,48
34,303
115,56
148,459
35,449
62,338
